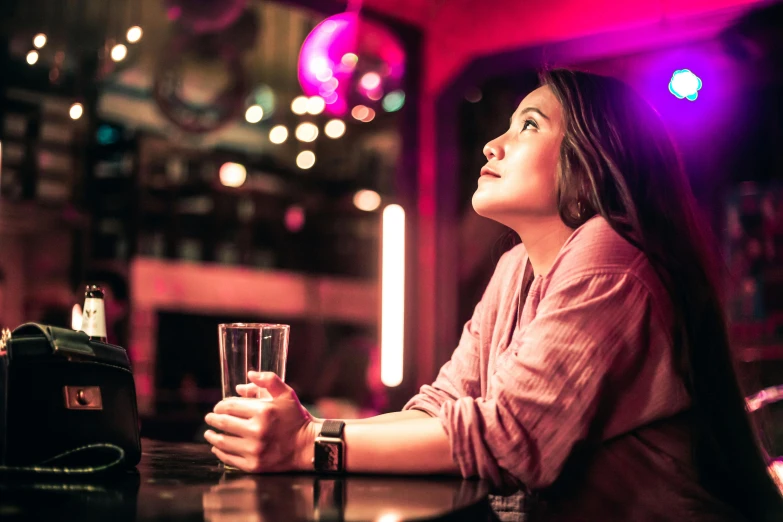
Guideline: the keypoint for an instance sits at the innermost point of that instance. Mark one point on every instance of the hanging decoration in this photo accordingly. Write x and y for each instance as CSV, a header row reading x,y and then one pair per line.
x,y
348,60
204,16
200,84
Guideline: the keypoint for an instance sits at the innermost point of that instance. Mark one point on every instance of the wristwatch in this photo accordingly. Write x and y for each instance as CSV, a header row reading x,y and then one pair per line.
x,y
329,454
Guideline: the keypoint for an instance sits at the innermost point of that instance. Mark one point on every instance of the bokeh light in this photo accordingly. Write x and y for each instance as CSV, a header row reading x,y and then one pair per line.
x,y
134,34
119,52
306,132
315,105
305,159
367,200
294,218
76,111
32,57
233,174
349,60
370,115
370,81
685,84
299,105
360,112
254,114
393,101
263,96
334,128
278,134
39,40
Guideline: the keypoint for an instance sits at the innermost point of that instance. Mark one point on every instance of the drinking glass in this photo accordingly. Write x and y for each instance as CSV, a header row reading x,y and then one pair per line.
x,y
245,347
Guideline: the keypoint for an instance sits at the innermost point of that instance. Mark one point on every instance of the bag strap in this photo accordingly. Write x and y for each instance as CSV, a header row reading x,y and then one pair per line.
x,y
98,452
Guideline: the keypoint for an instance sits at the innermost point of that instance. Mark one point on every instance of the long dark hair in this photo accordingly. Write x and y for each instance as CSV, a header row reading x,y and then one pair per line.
x,y
617,160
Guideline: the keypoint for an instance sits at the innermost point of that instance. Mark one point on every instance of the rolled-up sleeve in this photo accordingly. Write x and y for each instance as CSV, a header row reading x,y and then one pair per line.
x,y
547,383
459,377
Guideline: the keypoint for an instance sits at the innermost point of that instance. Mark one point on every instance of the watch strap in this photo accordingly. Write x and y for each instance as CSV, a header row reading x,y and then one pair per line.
x,y
332,428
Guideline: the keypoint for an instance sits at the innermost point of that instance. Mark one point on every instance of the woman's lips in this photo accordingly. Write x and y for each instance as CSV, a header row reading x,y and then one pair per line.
x,y
488,172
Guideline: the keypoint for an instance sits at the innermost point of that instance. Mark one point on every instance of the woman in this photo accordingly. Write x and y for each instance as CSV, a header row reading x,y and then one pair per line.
x,y
596,366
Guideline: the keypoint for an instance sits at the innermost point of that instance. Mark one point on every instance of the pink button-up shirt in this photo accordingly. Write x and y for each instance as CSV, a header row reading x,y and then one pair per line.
x,y
586,356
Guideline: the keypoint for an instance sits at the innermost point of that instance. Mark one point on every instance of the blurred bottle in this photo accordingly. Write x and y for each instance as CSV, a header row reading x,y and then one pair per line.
x,y
94,313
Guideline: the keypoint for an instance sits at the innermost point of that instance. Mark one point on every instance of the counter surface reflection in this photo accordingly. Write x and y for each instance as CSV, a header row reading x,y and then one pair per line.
x,y
186,482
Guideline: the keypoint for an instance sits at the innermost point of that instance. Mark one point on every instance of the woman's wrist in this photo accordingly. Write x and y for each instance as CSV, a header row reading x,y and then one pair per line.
x,y
306,450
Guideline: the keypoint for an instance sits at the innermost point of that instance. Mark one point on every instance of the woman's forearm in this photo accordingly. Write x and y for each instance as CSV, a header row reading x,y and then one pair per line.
x,y
390,417
416,445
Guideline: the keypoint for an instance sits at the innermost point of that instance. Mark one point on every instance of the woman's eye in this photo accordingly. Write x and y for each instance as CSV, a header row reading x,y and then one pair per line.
x,y
528,124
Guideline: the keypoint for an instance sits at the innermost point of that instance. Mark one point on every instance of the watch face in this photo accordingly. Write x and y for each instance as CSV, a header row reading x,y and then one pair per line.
x,y
328,456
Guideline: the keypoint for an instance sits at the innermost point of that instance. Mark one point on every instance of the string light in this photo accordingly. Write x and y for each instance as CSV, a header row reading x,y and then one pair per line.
x,y
254,114
39,40
370,115
278,134
349,60
367,200
232,174
393,101
306,132
76,111
370,81
360,112
32,57
119,52
134,34
315,105
305,159
334,128
299,105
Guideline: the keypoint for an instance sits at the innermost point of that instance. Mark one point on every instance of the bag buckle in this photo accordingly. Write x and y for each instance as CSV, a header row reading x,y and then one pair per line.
x,y
83,398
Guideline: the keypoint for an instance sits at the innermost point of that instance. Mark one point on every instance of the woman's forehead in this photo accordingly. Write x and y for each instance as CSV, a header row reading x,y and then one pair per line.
x,y
542,98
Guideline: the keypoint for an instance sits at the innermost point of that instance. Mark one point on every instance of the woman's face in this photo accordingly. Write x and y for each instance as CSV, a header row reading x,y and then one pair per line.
x,y
519,180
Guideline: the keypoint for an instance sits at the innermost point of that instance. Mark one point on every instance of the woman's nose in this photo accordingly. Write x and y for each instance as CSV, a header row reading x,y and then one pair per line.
x,y
493,150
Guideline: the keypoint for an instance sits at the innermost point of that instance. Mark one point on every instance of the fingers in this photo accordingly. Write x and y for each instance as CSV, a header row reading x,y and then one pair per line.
x,y
247,390
231,444
233,460
269,381
231,425
251,391
238,407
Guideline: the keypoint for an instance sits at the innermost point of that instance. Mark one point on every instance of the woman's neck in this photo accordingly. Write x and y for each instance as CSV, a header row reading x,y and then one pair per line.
x,y
543,239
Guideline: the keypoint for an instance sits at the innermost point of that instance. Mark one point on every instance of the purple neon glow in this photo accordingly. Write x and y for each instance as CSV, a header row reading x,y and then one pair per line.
x,y
331,56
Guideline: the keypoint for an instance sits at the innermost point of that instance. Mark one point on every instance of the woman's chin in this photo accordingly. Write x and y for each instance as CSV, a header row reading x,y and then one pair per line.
x,y
481,205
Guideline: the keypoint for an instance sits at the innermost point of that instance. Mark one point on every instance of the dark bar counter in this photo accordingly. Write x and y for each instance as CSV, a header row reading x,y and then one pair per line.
x,y
186,482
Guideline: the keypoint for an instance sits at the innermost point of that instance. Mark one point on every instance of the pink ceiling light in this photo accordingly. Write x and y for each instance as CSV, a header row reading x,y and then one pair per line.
x,y
345,58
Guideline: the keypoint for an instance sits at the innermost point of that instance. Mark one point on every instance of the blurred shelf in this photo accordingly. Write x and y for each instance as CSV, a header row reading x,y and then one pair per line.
x,y
27,218
212,288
